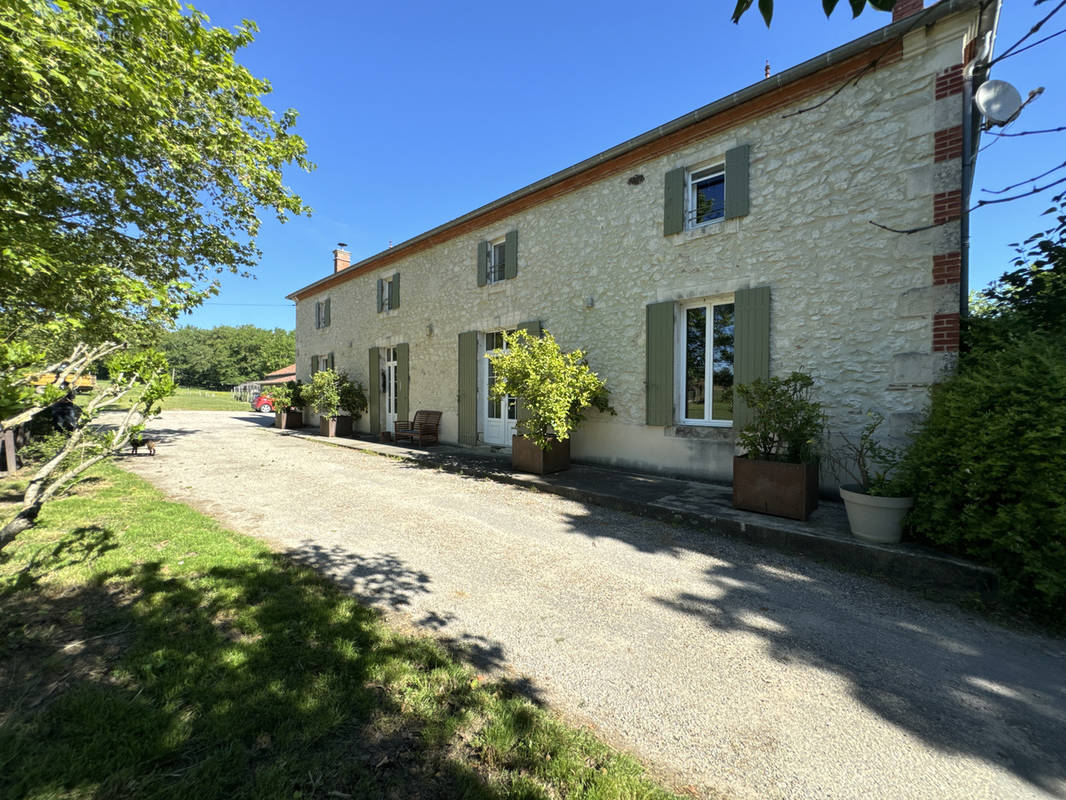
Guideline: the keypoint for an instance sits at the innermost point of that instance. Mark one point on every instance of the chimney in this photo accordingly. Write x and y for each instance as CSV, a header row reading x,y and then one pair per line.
x,y
341,258
905,8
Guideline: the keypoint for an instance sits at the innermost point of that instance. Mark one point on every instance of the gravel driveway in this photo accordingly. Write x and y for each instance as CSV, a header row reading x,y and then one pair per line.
x,y
724,667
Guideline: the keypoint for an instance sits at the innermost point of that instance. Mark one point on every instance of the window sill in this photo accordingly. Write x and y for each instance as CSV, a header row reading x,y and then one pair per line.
x,y
719,432
709,229
496,287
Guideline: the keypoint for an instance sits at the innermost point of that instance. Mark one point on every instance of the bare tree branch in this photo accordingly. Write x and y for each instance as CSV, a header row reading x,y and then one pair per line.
x,y
1028,133
1006,53
1006,189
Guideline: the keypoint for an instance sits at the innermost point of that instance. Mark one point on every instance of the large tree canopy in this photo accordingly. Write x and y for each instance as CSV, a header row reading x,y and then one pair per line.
x,y
225,356
135,154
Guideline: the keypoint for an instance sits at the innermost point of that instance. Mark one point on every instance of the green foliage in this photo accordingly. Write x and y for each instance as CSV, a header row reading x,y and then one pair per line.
x,y
869,462
226,356
787,424
990,461
553,387
329,393
135,154
766,7
288,396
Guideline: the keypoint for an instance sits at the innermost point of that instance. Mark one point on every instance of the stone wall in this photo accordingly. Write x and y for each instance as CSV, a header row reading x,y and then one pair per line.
x,y
860,308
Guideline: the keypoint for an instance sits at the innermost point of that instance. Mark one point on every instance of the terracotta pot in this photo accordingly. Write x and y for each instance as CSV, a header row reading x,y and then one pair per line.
x,y
527,457
288,419
775,487
875,519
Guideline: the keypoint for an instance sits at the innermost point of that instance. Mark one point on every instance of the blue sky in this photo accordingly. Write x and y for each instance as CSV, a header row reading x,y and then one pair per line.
x,y
416,113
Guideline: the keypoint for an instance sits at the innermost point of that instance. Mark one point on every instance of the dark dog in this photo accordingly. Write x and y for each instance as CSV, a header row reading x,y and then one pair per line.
x,y
139,442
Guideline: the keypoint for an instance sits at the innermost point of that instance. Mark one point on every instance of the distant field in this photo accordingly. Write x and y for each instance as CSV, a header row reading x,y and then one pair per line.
x,y
187,399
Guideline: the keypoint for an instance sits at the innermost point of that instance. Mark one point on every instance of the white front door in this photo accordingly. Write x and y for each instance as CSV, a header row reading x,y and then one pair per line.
x,y
501,415
390,389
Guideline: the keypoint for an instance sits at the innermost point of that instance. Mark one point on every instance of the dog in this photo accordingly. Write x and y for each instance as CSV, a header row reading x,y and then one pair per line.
x,y
139,442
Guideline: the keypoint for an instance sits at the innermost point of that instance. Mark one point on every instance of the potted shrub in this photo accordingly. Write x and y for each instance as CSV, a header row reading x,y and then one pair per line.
x,y
328,395
553,390
877,502
778,472
288,405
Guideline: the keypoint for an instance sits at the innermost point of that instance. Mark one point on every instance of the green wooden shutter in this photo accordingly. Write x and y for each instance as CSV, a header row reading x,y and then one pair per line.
x,y
373,391
736,181
468,388
510,255
381,295
751,353
394,291
325,314
534,327
329,361
318,315
403,374
659,364
314,365
482,263
674,204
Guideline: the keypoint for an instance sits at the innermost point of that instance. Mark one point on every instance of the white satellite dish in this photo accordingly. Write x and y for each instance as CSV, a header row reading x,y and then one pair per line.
x,y
998,101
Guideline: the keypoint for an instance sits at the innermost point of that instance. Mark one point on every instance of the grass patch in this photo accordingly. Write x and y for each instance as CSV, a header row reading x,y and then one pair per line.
x,y
145,651
189,399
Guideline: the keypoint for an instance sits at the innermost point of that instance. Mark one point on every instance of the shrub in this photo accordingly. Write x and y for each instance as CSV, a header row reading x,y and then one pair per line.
x,y
787,424
554,387
989,466
329,393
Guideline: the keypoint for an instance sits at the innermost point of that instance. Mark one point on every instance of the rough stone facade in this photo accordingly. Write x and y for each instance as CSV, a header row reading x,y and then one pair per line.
x,y
871,314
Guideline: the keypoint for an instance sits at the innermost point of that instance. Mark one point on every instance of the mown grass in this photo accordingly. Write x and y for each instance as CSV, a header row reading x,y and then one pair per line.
x,y
189,399
145,651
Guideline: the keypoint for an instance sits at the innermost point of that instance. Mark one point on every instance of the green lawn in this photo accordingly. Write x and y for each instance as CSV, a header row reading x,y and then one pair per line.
x,y
147,652
186,399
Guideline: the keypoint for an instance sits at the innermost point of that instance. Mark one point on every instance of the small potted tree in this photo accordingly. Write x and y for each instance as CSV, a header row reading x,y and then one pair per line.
x,y
778,472
328,395
878,501
288,405
553,390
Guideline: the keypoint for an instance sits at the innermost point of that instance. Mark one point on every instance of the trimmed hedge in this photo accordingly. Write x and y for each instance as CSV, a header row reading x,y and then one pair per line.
x,y
989,467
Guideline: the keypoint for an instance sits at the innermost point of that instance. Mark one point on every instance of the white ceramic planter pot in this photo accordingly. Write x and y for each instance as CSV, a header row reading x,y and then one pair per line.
x,y
875,519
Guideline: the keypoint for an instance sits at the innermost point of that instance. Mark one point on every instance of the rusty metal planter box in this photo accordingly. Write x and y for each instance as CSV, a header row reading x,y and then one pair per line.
x,y
527,457
775,487
288,419
338,426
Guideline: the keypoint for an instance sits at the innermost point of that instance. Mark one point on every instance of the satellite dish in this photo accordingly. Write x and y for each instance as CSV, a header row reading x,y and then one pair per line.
x,y
998,101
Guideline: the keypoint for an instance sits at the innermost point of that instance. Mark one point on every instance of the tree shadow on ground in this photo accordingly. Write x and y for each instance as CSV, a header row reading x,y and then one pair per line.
x,y
259,680
960,685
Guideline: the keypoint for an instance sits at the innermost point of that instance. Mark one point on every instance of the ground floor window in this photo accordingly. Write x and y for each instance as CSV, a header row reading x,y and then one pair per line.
x,y
707,348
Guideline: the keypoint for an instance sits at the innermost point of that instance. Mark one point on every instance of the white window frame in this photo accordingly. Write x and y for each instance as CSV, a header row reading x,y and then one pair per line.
x,y
681,354
693,178
386,293
320,307
495,271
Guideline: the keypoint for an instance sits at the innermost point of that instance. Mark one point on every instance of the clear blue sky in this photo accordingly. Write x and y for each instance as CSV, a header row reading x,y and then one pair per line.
x,y
416,113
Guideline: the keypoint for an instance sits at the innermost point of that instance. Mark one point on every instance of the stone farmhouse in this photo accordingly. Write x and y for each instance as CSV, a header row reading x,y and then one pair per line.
x,y
733,242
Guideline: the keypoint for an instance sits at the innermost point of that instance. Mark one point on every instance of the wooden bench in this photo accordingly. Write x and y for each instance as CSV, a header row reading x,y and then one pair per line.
x,y
423,429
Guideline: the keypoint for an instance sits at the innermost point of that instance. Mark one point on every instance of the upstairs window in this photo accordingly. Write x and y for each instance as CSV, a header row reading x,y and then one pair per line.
x,y
389,292
706,196
497,260
322,313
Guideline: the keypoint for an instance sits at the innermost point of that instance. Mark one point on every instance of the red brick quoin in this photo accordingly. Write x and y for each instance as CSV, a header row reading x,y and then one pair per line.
x,y
949,82
945,332
947,268
947,206
947,144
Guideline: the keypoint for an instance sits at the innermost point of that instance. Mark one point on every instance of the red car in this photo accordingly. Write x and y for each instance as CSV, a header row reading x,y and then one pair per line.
x,y
263,402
